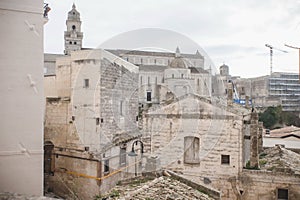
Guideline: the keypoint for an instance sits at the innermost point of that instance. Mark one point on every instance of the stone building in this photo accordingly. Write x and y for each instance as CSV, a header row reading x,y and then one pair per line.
x,y
280,88
202,139
103,104
157,84
90,124
289,137
22,96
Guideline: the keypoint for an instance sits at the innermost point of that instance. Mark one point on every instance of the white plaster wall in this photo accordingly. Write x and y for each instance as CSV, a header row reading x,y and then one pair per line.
x,y
288,142
22,101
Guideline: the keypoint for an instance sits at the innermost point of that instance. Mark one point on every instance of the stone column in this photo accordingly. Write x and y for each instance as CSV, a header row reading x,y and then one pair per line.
x,y
260,137
247,102
254,140
229,94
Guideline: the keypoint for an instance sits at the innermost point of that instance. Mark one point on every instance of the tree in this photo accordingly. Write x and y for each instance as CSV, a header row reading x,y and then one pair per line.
x,y
274,115
269,117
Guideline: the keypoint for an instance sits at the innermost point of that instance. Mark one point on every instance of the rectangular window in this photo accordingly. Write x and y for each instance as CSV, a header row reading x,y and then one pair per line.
x,y
282,194
148,96
86,83
123,156
97,121
106,166
191,150
225,159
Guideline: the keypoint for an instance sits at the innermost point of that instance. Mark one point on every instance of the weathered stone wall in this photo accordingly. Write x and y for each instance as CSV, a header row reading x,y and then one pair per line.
x,y
89,121
263,185
59,127
73,186
119,100
219,132
50,86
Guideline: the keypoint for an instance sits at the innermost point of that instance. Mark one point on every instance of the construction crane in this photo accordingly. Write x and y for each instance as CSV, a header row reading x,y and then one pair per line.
x,y
271,55
299,55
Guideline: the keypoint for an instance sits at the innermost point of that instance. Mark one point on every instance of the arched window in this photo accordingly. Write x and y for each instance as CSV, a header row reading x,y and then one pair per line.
x,y
73,27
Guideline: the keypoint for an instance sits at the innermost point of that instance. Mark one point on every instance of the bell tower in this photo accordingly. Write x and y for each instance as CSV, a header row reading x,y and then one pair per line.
x,y
73,35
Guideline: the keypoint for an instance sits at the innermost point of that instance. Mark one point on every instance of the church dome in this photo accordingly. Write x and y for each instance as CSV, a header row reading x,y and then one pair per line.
x,y
177,63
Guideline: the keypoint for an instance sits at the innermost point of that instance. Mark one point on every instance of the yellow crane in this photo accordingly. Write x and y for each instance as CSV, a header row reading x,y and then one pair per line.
x,y
271,55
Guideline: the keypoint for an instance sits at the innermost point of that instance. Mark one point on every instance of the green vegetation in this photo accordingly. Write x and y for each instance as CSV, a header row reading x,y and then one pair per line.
x,y
138,182
262,155
262,162
274,117
98,197
114,193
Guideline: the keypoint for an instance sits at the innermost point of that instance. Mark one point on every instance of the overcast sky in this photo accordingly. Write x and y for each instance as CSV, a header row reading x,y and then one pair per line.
x,y
230,32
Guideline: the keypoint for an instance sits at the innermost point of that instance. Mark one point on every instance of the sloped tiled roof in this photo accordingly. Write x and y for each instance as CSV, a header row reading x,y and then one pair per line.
x,y
280,159
158,188
285,132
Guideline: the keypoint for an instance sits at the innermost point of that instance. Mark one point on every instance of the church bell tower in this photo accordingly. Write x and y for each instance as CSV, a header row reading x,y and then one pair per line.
x,y
73,35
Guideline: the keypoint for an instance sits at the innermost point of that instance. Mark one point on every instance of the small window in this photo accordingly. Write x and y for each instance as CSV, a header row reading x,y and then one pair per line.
x,y
181,75
101,120
106,166
225,159
282,194
75,42
86,83
73,27
123,156
70,42
97,121
137,118
148,96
